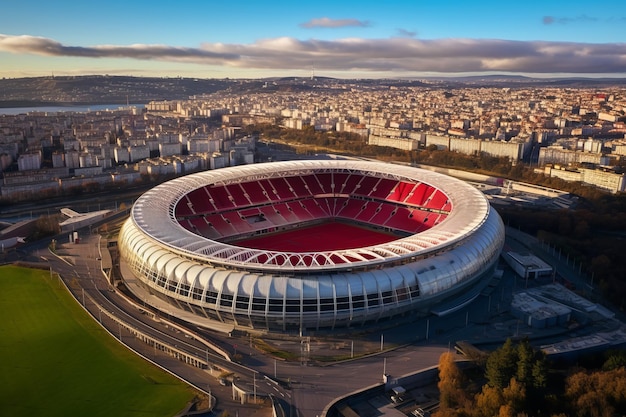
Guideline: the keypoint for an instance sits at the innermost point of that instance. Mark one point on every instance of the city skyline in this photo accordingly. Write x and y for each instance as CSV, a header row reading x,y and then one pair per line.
x,y
346,40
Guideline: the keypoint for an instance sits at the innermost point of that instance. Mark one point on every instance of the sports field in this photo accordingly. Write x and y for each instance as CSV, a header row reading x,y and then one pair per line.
x,y
317,238
56,361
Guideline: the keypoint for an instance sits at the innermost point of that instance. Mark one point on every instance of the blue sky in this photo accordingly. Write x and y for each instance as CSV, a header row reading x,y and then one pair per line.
x,y
334,38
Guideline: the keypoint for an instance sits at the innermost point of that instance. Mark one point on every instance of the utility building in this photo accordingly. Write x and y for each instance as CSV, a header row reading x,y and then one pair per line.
x,y
527,266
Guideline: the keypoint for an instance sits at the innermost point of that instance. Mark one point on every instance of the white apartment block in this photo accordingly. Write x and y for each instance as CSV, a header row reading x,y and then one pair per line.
x,y
406,144
606,180
29,161
121,155
558,155
138,152
170,149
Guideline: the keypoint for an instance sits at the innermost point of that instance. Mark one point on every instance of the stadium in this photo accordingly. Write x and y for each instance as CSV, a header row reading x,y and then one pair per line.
x,y
311,245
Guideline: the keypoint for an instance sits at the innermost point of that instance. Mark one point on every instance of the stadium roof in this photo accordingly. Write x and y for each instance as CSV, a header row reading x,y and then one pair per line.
x,y
154,213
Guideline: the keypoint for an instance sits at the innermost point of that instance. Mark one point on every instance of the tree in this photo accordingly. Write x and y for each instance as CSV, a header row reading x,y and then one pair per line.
x,y
526,359
597,394
502,365
451,379
46,226
514,396
615,360
540,373
488,401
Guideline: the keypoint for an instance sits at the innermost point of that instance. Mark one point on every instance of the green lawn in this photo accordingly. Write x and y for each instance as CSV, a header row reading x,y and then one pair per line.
x,y
56,361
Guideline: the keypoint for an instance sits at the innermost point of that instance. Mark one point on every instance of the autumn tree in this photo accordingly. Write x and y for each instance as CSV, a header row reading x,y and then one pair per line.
x,y
597,394
488,401
451,380
514,397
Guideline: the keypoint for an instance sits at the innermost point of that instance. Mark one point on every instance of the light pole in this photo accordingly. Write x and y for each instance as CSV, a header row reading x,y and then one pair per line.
x,y
384,367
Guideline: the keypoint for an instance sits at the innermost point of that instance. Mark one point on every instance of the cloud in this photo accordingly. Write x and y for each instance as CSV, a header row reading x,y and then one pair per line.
x,y
406,33
325,22
392,55
44,46
549,20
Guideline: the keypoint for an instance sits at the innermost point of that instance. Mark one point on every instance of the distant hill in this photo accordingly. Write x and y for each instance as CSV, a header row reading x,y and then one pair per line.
x,y
17,92
104,89
502,80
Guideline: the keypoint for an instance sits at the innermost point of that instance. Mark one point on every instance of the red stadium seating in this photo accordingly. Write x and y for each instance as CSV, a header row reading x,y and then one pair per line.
x,y
316,211
368,211
420,194
237,222
349,208
383,188
286,212
298,186
220,197
401,220
339,180
223,227
270,214
201,225
350,185
366,185
437,200
401,191
282,188
313,185
327,204
221,211
199,200
238,195
301,213
383,214
255,192
184,207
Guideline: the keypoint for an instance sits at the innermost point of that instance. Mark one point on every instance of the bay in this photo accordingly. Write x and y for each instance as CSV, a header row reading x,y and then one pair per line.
x,y
11,111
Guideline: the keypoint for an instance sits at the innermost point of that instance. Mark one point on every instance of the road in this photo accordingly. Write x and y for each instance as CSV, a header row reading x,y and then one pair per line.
x,y
79,267
307,387
311,388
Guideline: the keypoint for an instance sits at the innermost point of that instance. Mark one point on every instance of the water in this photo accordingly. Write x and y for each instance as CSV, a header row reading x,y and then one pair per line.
x,y
11,111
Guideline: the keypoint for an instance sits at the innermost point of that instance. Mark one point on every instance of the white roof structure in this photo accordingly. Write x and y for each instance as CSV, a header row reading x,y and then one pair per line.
x,y
260,288
154,214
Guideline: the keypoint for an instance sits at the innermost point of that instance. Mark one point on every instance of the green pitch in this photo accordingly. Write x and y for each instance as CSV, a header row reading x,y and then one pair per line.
x,y
56,361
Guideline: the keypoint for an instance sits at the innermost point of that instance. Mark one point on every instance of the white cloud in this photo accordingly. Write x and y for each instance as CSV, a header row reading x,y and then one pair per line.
x,y
351,54
325,22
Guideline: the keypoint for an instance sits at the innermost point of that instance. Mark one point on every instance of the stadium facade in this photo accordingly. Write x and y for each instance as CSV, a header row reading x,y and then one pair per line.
x,y
180,242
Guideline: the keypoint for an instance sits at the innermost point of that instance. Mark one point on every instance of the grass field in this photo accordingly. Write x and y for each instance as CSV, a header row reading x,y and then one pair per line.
x,y
56,361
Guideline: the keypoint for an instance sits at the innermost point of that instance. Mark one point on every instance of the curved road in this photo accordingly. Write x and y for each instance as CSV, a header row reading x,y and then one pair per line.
x,y
311,387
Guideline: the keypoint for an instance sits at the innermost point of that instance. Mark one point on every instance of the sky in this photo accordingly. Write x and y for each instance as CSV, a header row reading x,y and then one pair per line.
x,y
339,38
